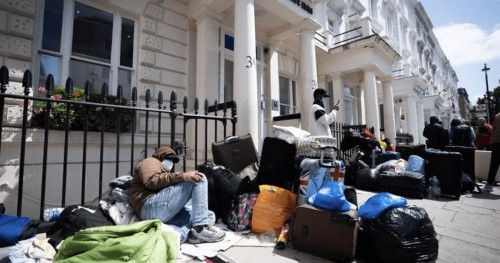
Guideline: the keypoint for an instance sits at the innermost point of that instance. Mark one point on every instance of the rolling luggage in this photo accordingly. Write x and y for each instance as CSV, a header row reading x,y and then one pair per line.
x,y
409,184
235,152
468,161
330,235
447,167
278,165
407,150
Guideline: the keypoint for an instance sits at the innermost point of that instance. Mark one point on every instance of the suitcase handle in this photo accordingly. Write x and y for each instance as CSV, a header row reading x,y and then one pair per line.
x,y
231,139
322,161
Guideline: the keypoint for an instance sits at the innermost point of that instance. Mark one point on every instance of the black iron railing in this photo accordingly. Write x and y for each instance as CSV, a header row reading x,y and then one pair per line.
x,y
104,120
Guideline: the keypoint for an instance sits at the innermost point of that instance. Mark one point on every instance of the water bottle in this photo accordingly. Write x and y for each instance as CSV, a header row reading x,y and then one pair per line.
x,y
436,187
52,214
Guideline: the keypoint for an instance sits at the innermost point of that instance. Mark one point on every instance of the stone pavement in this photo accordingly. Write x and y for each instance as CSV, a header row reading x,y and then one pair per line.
x,y
468,231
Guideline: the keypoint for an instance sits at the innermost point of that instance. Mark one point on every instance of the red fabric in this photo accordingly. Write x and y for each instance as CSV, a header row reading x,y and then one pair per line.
x,y
482,140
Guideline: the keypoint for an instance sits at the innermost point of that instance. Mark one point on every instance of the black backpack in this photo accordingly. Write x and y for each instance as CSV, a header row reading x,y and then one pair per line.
x,y
75,218
461,135
224,187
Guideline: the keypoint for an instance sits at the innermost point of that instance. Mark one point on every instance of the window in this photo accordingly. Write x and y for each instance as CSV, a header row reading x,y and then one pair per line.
x,y
101,49
288,97
350,111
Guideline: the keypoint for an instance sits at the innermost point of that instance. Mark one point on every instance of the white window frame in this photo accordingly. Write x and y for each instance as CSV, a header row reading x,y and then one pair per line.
x,y
293,103
65,54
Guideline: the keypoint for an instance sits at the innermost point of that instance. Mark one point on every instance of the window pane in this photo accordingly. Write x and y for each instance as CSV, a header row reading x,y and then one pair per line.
x,y
92,32
49,65
82,71
229,42
52,25
127,43
228,80
284,91
125,79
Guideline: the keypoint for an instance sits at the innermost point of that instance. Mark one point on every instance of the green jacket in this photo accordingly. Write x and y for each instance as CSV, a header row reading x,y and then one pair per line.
x,y
143,241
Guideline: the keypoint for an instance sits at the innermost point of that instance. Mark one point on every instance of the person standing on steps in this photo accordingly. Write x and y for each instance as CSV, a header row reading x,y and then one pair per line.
x,y
319,119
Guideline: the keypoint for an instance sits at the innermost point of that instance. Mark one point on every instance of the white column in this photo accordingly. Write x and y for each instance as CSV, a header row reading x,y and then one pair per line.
x,y
412,118
399,126
338,94
207,56
321,13
389,119
362,103
420,122
245,70
273,88
307,75
371,102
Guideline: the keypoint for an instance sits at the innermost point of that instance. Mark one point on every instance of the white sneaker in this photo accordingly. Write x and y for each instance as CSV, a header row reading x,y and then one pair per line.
x,y
207,235
488,187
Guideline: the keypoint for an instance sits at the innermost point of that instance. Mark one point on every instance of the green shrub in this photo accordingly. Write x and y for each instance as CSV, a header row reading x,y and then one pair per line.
x,y
77,112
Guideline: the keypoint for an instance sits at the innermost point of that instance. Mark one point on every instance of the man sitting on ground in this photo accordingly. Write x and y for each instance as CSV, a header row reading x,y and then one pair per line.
x,y
176,198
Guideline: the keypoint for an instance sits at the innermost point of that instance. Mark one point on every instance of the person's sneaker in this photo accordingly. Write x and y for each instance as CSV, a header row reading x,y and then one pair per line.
x,y
206,235
488,187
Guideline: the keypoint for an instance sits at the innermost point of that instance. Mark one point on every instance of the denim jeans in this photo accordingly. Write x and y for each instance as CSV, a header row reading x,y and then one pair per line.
x,y
183,205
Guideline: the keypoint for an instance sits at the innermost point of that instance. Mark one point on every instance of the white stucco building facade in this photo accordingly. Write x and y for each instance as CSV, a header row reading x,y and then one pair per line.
x,y
380,58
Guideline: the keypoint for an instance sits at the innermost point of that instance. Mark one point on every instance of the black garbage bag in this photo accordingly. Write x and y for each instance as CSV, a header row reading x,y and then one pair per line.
x,y
404,234
367,179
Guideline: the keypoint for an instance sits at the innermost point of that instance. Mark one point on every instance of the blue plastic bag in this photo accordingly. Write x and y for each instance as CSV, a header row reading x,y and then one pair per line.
x,y
415,164
316,176
379,203
330,197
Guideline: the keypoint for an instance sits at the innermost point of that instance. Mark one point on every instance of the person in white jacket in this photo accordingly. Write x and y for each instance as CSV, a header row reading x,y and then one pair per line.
x,y
319,120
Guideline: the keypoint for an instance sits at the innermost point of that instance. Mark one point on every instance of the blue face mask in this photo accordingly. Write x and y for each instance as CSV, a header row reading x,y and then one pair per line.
x,y
324,100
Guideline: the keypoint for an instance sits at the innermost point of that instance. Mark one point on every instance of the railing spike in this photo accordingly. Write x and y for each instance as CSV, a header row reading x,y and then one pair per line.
x,y
88,90
160,99
173,101
4,78
133,97
119,94
69,88
27,82
206,106
49,85
104,93
196,105
148,98
185,104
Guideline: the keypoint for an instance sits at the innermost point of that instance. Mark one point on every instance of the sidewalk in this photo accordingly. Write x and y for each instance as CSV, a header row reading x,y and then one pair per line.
x,y
468,231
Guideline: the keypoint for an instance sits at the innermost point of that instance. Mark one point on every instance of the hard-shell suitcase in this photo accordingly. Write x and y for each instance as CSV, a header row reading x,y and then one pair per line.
x,y
327,234
447,167
468,161
278,165
235,152
407,150
409,184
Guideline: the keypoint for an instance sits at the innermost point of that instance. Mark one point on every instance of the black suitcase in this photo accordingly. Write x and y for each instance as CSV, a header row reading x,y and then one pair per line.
x,y
468,161
412,149
447,167
278,165
327,234
235,152
409,184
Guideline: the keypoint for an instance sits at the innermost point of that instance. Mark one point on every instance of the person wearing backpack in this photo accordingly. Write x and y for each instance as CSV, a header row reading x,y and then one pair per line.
x,y
437,136
461,134
175,198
